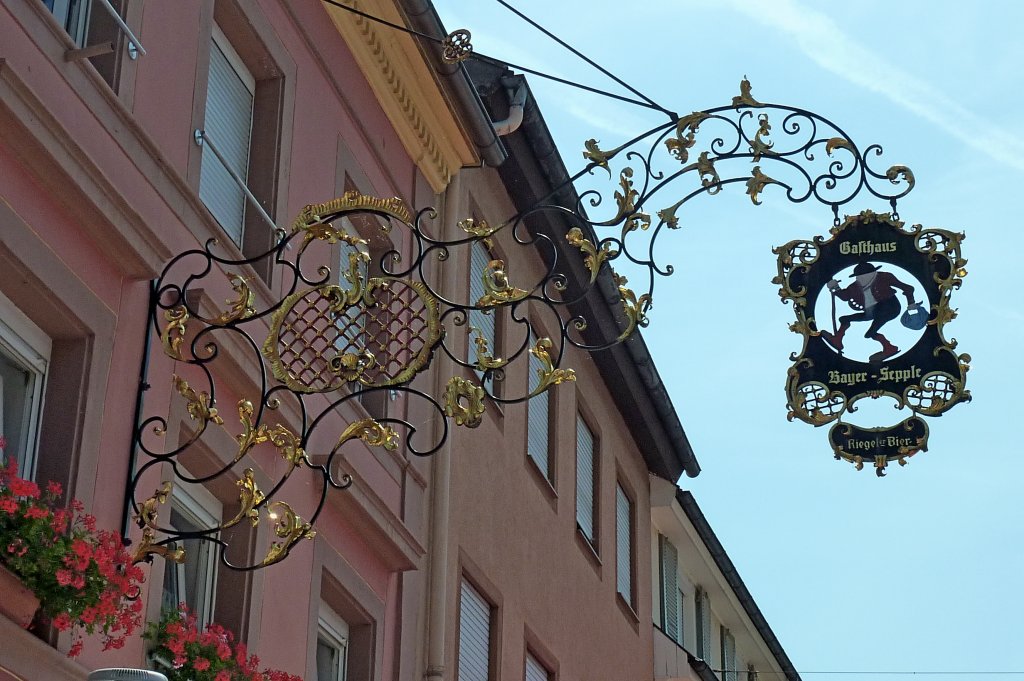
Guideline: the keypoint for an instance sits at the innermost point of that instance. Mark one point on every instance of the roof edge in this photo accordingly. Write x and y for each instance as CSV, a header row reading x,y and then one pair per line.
x,y
728,570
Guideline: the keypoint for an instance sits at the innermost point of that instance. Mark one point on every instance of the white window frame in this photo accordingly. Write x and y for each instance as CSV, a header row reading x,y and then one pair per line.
x,y
334,632
671,594
702,615
624,544
473,602
203,510
27,346
74,20
220,41
728,650
587,526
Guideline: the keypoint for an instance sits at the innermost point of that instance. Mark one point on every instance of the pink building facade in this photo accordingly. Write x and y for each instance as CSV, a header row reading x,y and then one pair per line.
x,y
521,549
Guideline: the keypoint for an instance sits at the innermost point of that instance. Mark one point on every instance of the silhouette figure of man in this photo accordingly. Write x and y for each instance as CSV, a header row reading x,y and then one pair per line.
x,y
873,296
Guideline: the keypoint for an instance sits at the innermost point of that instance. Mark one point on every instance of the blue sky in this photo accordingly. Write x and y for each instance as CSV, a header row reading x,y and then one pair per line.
x,y
919,571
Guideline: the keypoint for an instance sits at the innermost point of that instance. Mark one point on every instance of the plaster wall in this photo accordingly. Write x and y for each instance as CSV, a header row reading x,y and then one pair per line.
x,y
99,189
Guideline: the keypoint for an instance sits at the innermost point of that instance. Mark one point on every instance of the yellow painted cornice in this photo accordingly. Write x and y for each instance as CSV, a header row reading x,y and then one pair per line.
x,y
405,85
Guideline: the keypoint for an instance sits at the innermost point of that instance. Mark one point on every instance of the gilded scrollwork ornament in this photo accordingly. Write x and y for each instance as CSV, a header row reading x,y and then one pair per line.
x,y
497,288
173,334
289,527
457,46
635,307
547,373
241,307
594,257
464,402
477,227
744,98
626,197
760,144
756,184
199,404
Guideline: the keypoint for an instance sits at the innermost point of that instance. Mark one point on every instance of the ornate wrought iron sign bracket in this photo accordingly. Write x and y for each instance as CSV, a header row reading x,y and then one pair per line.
x,y
294,364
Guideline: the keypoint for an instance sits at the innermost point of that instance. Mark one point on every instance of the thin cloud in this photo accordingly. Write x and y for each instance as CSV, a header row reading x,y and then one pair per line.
x,y
821,39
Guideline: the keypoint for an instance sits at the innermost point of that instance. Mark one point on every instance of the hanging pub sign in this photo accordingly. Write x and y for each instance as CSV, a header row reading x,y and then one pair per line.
x,y
871,303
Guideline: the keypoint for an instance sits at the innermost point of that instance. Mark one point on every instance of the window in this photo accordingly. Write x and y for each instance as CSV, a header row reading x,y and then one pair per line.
x,y
474,635
192,582
228,125
331,647
624,545
586,481
728,655
702,605
535,671
96,33
537,421
483,321
73,15
671,596
24,358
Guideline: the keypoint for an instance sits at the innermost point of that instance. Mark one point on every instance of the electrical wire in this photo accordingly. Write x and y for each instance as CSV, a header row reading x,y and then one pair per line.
x,y
582,56
501,62
875,673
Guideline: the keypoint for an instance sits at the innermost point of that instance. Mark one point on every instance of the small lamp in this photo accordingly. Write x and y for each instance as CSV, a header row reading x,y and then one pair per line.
x,y
125,675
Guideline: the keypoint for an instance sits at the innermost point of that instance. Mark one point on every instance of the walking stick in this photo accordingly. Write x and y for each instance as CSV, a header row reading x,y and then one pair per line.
x,y
835,329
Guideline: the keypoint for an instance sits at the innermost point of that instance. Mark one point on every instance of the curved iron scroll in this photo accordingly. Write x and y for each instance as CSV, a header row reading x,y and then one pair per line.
x,y
328,339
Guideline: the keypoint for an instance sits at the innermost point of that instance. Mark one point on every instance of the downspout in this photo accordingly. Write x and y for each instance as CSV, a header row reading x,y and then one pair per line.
x,y
440,501
516,89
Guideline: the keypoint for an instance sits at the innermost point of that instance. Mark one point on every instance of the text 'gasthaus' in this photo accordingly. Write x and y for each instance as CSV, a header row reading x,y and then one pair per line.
x,y
867,247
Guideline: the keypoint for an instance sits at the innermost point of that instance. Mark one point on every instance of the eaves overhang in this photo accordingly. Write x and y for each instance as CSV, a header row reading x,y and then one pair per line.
x,y
533,169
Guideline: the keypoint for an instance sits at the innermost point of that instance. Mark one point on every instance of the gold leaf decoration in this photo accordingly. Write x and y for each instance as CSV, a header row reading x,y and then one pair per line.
x,y
595,256
635,308
148,547
350,201
478,228
149,509
250,496
744,98
287,443
708,175
351,366
372,433
498,289
668,215
756,184
290,527
598,156
626,201
547,374
835,143
173,333
199,404
484,359
686,135
241,307
464,401
760,145
895,172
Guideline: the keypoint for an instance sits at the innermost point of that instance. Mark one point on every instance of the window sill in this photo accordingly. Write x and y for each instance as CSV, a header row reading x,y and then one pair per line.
x,y
627,610
543,482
